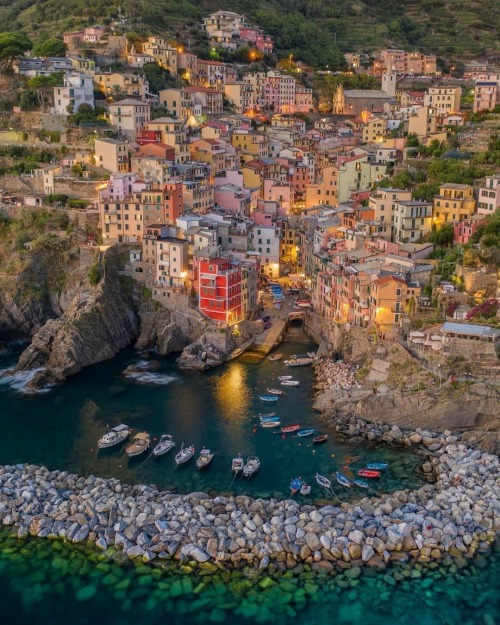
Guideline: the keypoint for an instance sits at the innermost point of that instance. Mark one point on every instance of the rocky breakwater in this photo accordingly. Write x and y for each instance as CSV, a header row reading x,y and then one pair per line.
x,y
456,517
97,324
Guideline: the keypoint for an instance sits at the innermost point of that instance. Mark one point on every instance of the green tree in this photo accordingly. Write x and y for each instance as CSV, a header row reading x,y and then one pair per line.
x,y
43,86
117,93
12,46
49,47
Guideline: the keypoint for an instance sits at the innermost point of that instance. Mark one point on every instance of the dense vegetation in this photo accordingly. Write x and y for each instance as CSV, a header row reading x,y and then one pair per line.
x,y
312,30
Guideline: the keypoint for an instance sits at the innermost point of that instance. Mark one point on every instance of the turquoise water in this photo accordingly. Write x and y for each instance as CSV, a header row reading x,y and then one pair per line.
x,y
48,582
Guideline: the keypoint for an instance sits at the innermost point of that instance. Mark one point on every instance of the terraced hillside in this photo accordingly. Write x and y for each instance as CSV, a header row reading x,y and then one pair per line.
x,y
305,28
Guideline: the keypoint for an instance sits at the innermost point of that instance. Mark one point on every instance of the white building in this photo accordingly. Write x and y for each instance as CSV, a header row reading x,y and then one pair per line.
x,y
129,116
489,196
77,89
266,247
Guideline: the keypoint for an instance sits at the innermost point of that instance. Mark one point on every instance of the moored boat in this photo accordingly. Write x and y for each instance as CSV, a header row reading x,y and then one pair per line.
x,y
311,354
270,424
251,466
273,418
321,438
139,444
268,397
264,415
237,464
371,473
185,454
285,377
304,433
343,480
361,483
298,362
377,466
165,444
295,485
114,436
275,391
305,489
289,383
205,458
323,481
290,428
273,357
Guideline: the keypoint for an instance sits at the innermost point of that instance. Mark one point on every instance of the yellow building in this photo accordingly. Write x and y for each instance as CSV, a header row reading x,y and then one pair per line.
x,y
423,122
444,99
251,142
389,295
374,130
162,52
383,204
455,202
130,85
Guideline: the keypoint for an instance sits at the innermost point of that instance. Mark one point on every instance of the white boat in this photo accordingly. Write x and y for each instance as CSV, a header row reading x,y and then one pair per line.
x,y
270,424
139,444
277,356
285,377
237,464
166,444
275,391
114,436
205,458
298,362
251,467
289,383
185,454
305,489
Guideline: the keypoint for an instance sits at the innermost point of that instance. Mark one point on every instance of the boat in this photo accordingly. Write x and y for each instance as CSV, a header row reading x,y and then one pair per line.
x,y
251,467
185,454
278,356
270,424
139,444
237,464
263,419
305,489
298,362
114,436
166,444
311,354
377,466
295,485
361,483
371,473
205,458
323,481
265,415
290,428
321,438
290,383
284,377
268,397
304,433
275,391
343,480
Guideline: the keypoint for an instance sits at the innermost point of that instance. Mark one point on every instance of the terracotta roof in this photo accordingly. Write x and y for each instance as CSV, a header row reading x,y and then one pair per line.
x,y
387,279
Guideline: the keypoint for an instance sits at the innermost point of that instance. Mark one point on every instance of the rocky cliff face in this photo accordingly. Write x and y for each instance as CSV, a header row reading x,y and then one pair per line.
x,y
169,331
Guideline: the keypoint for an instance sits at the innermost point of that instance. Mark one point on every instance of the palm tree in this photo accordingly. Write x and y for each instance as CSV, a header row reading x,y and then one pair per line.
x,y
116,93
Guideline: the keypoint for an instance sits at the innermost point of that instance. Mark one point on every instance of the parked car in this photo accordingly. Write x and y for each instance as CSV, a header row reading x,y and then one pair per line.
x,y
266,318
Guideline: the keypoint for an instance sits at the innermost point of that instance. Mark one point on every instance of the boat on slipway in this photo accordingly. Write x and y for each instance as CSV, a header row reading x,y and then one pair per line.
x,y
166,444
114,436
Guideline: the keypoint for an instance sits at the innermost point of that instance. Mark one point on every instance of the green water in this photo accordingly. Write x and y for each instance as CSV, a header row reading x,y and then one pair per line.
x,y
48,582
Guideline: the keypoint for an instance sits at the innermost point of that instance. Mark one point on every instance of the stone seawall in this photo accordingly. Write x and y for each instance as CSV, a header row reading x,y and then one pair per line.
x,y
456,517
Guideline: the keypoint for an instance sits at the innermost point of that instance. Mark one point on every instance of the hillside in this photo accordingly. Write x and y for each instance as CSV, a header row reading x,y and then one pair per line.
x,y
309,29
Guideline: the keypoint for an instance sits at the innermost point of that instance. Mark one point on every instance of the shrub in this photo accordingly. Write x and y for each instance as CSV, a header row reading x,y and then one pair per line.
x,y
486,310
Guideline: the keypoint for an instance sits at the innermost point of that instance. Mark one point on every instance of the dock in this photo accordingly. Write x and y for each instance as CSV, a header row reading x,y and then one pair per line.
x,y
265,342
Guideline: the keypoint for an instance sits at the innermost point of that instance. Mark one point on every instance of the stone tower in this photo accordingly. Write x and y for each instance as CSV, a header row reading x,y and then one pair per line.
x,y
389,81
338,101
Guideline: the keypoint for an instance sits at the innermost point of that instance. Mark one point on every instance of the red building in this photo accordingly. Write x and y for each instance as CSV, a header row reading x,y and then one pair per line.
x,y
463,230
220,289
173,205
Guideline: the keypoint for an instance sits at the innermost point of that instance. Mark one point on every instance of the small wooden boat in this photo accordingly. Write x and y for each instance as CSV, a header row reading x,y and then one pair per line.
x,y
304,433
274,357
321,438
251,467
204,459
185,454
268,397
343,480
270,424
377,466
361,483
237,464
114,436
290,428
305,489
298,362
139,444
371,473
290,383
166,444
295,485
323,481
264,415
275,391
284,377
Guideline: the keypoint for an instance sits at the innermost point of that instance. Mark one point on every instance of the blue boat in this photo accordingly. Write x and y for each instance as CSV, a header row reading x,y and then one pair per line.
x,y
360,483
302,433
273,418
323,481
295,485
377,466
268,397
343,480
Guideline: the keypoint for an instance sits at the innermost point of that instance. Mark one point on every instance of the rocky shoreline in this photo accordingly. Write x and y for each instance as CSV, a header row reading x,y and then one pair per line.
x,y
454,518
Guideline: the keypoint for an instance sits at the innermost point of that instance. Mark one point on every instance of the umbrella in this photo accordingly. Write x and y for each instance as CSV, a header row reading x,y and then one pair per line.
x,y
417,341
436,346
417,334
436,337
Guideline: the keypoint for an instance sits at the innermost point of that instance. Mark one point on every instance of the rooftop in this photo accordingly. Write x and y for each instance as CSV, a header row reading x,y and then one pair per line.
x,y
470,329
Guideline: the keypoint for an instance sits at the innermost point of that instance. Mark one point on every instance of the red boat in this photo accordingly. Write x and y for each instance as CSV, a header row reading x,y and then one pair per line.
x,y
368,473
290,428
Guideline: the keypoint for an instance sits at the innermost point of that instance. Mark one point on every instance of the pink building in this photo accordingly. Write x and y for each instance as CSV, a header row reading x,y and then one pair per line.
x,y
486,96
463,230
258,39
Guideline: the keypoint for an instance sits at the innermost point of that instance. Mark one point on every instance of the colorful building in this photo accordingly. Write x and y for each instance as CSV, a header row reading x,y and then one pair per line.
x,y
220,290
